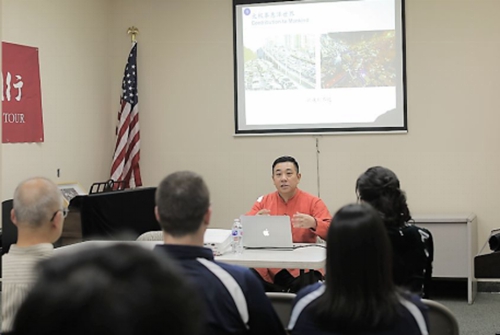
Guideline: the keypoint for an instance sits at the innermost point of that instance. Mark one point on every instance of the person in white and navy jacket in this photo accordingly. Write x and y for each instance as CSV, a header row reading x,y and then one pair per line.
x,y
235,298
359,295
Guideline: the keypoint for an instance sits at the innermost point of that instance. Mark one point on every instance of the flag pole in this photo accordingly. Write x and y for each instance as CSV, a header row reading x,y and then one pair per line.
x,y
133,31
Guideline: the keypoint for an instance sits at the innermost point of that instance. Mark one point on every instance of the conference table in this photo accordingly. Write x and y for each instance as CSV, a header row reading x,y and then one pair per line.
x,y
303,256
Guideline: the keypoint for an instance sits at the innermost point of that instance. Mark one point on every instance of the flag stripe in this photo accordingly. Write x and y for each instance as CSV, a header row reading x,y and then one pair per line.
x,y
125,166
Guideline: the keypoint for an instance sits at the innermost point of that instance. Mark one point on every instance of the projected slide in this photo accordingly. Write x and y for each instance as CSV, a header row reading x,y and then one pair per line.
x,y
325,66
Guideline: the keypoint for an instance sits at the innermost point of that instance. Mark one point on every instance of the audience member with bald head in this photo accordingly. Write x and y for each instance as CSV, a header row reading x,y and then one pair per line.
x,y
38,214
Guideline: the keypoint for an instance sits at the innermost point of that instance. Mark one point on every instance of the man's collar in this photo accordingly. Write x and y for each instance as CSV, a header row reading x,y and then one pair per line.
x,y
297,191
40,247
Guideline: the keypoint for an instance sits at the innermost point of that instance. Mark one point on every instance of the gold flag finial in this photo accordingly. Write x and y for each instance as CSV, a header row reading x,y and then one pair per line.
x,y
132,31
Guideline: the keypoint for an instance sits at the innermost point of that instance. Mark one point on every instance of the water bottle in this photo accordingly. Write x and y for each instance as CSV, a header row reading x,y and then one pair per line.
x,y
237,232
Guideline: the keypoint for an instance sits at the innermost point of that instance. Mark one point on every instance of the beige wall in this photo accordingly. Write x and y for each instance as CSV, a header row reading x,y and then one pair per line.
x,y
448,162
73,38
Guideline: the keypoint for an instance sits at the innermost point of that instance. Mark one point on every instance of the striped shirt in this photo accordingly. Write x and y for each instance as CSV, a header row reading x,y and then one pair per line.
x,y
18,277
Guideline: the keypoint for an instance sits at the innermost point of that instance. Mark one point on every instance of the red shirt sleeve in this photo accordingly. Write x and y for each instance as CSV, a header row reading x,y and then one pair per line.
x,y
323,218
257,206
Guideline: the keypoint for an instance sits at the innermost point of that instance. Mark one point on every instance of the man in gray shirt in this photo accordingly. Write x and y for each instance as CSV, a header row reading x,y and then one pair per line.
x,y
39,216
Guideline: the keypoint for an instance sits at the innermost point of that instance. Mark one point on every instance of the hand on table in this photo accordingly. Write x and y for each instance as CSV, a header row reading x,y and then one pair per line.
x,y
300,220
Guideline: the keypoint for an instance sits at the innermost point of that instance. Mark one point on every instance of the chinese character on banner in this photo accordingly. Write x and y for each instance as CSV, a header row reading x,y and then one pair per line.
x,y
22,119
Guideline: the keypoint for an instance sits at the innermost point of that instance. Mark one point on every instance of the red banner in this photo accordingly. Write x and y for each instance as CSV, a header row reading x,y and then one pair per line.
x,y
22,119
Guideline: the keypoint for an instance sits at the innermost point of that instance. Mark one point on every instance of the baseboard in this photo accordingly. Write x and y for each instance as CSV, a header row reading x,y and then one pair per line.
x,y
488,286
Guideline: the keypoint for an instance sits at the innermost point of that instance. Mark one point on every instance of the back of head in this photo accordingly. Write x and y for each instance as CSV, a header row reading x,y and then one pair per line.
x,y
358,249
284,159
35,202
182,199
379,187
360,294
122,290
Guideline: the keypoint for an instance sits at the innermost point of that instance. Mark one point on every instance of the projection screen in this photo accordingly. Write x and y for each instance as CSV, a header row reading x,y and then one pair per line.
x,y
319,66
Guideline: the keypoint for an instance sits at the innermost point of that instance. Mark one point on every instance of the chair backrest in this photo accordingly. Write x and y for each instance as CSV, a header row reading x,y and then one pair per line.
x,y
9,230
441,319
282,303
156,235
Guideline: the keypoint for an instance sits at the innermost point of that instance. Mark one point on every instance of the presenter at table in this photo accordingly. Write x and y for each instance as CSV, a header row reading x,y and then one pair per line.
x,y
308,214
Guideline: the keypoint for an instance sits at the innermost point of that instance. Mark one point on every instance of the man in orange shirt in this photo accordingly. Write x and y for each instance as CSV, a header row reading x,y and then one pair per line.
x,y
309,216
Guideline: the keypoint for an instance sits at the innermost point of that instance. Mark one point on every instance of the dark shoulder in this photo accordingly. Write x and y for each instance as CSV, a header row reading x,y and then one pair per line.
x,y
239,273
416,300
408,231
406,238
307,290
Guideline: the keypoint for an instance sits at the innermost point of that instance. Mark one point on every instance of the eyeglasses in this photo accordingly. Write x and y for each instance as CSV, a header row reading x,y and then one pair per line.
x,y
64,211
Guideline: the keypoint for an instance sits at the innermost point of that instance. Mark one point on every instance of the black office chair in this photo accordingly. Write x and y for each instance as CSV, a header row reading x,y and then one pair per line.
x,y
9,230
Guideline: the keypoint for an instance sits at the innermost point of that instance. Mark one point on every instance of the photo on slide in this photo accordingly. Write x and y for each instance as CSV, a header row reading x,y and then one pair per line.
x,y
282,63
358,59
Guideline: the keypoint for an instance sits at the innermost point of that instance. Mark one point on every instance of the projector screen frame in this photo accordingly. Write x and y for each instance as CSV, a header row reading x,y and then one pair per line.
x,y
290,130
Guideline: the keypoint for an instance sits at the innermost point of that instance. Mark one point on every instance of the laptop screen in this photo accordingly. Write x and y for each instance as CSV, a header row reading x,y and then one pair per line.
x,y
265,231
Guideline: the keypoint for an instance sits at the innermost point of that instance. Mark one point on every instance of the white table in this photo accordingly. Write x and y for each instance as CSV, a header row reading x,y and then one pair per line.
x,y
307,256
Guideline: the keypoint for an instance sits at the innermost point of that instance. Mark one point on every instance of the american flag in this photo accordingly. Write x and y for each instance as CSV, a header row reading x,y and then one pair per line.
x,y
127,152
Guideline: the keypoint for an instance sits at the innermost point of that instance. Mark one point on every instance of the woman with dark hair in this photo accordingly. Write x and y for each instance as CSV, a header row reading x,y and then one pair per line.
x,y
412,246
358,296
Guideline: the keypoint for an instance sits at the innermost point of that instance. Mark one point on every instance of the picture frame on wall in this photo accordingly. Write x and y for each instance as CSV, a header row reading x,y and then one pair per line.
x,y
70,190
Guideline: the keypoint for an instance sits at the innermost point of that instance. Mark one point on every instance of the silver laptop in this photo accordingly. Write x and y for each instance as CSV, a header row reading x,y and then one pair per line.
x,y
267,232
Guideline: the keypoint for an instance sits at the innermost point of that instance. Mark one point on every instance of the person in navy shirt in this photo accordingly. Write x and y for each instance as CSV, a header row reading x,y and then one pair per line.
x,y
359,295
235,298
412,246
